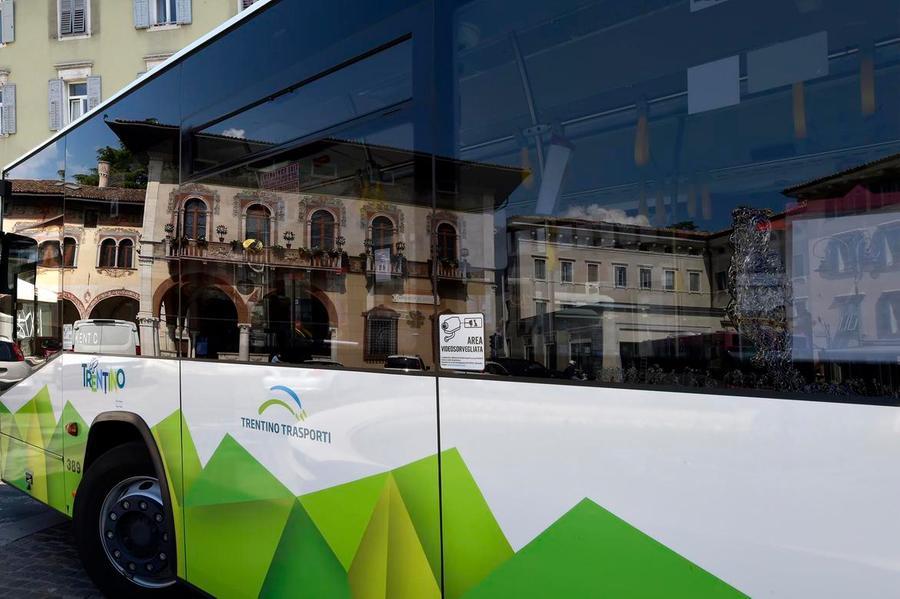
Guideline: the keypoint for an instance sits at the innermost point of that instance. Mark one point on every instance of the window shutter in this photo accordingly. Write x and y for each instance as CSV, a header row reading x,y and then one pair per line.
x,y
79,17
93,91
65,17
141,14
55,102
9,109
183,12
7,16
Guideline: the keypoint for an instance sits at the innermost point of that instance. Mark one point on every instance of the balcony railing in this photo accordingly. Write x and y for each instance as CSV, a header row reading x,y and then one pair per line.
x,y
224,252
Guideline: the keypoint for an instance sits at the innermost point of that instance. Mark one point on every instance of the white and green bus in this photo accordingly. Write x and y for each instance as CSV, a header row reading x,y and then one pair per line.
x,y
472,299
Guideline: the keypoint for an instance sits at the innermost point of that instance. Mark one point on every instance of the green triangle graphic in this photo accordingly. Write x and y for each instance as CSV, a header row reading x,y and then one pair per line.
x,y
234,516
419,488
474,544
232,475
589,552
390,562
73,449
304,565
342,513
36,422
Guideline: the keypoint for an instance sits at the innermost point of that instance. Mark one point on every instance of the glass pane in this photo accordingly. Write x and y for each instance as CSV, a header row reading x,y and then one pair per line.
x,y
736,193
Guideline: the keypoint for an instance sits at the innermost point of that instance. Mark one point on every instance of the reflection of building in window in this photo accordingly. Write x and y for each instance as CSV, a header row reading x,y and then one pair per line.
x,y
381,334
70,251
49,253
540,307
646,278
669,280
540,269
721,280
620,275
257,223
195,219
116,254
848,320
446,241
566,271
382,233
322,230
593,272
888,314
694,281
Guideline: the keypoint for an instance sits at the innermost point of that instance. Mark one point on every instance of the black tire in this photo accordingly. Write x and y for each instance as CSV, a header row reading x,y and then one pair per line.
x,y
119,464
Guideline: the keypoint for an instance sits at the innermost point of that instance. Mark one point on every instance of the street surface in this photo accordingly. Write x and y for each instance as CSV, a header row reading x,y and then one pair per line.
x,y
37,555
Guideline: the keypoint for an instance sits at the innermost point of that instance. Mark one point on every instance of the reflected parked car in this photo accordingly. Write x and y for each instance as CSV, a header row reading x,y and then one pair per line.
x,y
323,362
519,367
13,366
405,363
47,347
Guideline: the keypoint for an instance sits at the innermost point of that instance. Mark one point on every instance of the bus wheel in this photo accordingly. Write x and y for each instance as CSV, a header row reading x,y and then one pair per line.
x,y
123,527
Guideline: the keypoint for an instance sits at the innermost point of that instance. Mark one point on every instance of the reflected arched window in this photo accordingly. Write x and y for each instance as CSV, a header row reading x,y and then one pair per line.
x,y
49,253
446,241
258,223
195,219
107,254
70,248
321,230
125,254
382,233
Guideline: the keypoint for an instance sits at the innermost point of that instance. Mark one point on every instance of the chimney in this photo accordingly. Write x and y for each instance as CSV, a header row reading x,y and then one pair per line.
x,y
103,173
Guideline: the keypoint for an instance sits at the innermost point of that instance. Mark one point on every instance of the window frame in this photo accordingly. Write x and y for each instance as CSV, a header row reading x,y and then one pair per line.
x,y
620,268
203,217
666,273
595,267
331,238
84,100
534,267
562,271
268,223
692,275
381,315
172,18
75,244
645,270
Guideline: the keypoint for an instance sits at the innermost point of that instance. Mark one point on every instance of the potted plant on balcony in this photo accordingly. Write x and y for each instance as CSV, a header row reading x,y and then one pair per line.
x,y
169,228
221,231
202,243
278,251
288,238
236,246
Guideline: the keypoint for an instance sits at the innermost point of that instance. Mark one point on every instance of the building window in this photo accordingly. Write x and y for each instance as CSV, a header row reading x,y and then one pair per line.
x,y
49,254
566,271
620,276
593,272
382,234
694,281
78,100
540,307
888,315
446,240
70,252
164,12
721,280
321,230
669,280
540,269
195,219
107,254
258,223
73,17
125,254
381,334
646,280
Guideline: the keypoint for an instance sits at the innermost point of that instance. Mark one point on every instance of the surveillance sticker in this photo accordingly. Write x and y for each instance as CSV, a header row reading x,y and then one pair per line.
x,y
461,340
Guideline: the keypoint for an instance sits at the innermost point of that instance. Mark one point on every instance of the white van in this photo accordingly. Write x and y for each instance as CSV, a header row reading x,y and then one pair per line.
x,y
106,336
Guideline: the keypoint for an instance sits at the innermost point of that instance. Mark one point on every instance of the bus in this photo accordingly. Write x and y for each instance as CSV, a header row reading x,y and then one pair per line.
x,y
691,204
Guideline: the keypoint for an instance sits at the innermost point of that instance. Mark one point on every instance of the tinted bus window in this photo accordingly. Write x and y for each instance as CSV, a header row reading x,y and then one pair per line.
x,y
713,183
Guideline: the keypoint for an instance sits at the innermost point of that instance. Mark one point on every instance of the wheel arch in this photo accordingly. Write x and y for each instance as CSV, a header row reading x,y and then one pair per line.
x,y
111,429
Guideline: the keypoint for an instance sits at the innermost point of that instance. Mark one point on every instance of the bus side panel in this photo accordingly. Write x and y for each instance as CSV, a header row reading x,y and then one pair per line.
x,y
574,492
321,483
30,435
148,388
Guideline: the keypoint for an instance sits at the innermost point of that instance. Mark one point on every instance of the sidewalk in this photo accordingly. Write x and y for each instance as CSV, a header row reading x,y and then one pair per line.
x,y
37,556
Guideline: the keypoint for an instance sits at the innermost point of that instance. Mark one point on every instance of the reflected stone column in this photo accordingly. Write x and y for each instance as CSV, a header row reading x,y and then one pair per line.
x,y
244,342
149,332
611,358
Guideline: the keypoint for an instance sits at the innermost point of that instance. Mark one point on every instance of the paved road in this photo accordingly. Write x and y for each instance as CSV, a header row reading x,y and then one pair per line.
x,y
37,556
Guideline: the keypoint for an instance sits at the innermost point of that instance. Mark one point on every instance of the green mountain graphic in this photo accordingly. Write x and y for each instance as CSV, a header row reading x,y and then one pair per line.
x,y
589,552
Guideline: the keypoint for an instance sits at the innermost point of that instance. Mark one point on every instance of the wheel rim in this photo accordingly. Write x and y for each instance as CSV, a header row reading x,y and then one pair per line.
x,y
134,532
